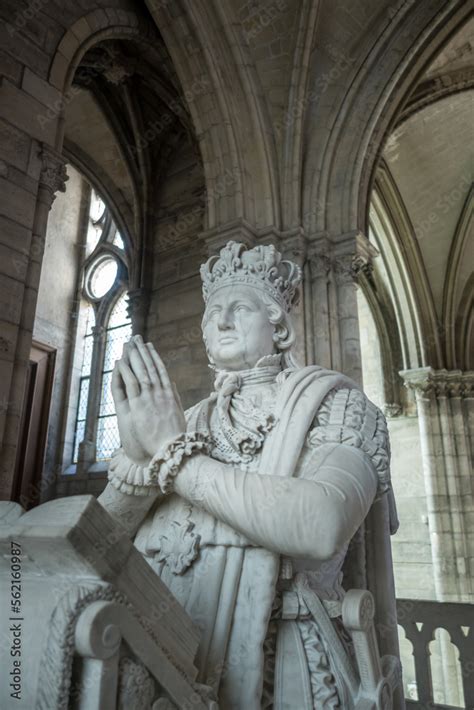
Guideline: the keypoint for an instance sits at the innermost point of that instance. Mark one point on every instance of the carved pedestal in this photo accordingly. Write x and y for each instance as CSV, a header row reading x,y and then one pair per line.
x,y
85,621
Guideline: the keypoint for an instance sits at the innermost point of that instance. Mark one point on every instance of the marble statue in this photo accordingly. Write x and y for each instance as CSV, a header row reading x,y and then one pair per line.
x,y
250,505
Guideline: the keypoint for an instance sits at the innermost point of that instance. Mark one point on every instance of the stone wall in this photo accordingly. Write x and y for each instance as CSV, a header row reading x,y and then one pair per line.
x,y
56,310
176,305
411,546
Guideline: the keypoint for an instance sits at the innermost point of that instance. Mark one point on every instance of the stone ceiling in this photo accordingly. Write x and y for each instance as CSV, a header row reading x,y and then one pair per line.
x,y
124,118
430,155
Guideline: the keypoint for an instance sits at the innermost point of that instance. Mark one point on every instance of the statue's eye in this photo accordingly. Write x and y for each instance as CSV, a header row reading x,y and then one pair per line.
x,y
241,307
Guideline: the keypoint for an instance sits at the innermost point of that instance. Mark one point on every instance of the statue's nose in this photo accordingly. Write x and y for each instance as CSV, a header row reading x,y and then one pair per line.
x,y
225,320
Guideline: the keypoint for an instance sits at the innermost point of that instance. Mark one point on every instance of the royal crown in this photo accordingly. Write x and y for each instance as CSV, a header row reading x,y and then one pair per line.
x,y
261,267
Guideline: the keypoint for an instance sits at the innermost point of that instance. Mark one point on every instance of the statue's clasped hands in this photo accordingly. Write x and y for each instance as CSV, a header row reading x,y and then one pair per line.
x,y
148,407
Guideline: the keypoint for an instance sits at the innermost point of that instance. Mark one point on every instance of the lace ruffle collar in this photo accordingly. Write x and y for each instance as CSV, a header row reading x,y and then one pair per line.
x,y
264,371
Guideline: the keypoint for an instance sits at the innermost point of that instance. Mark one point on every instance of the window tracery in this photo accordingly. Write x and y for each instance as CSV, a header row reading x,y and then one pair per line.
x,y
108,326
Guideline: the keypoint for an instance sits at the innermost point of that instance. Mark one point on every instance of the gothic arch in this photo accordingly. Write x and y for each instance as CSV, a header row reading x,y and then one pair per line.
x,y
230,118
293,136
464,328
90,29
458,297
381,307
408,284
123,216
85,33
432,90
342,180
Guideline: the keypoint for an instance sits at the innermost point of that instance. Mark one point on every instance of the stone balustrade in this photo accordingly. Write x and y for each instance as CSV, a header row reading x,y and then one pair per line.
x,y
420,619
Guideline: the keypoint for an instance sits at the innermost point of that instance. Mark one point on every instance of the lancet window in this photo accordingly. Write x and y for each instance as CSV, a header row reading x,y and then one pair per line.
x,y
105,327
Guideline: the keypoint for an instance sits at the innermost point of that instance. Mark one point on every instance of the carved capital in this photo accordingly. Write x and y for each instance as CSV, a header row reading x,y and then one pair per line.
x,y
293,246
343,268
320,265
418,380
361,265
53,176
392,410
465,388
440,383
353,257
349,267
138,299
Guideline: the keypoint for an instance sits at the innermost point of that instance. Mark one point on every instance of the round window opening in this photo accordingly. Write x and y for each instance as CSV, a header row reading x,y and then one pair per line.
x,y
102,277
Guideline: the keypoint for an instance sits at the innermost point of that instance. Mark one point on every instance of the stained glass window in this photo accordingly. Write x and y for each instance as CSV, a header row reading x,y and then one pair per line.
x,y
102,277
119,331
118,240
101,268
84,381
97,213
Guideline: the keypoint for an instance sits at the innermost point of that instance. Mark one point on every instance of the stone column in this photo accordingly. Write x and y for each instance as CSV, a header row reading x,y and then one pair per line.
x,y
345,318
138,302
321,344
52,178
334,268
353,256
446,413
293,246
87,448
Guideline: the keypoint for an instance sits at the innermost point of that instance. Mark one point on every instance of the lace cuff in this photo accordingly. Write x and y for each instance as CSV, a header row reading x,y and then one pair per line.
x,y
129,477
166,463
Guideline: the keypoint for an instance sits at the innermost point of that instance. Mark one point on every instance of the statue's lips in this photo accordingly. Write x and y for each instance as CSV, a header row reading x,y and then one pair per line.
x,y
227,339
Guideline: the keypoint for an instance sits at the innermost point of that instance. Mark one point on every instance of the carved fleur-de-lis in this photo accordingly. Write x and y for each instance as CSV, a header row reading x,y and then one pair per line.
x,y
179,547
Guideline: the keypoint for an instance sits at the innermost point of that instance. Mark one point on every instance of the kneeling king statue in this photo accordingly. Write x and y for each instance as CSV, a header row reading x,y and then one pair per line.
x,y
262,506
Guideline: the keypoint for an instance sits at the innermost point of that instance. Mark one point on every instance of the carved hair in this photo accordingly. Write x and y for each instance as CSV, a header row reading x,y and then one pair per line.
x,y
284,336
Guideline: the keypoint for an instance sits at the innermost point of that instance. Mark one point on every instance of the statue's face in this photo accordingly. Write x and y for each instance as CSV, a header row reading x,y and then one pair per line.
x,y
236,328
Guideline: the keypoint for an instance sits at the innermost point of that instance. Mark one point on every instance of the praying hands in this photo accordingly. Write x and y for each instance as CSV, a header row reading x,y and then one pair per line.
x,y
148,407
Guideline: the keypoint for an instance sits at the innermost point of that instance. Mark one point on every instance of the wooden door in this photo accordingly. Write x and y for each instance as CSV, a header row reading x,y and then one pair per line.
x,y
34,425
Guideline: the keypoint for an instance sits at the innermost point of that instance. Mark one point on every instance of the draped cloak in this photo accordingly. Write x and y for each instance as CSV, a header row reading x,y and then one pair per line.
x,y
226,583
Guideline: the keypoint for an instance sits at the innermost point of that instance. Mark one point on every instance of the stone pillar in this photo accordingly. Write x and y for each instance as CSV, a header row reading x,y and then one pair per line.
x,y
293,246
138,302
445,402
52,178
87,448
334,266
345,318
321,342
